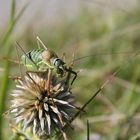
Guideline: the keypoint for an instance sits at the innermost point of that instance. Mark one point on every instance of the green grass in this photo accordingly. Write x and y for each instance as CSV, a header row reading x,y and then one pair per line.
x,y
114,114
6,43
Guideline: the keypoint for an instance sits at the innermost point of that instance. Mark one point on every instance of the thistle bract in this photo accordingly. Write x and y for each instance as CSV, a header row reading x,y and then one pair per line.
x,y
34,108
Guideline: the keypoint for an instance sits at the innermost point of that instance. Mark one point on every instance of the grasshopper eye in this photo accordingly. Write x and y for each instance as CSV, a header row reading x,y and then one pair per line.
x,y
58,62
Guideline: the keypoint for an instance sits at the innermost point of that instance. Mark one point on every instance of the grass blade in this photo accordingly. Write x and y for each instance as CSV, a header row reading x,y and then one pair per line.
x,y
6,42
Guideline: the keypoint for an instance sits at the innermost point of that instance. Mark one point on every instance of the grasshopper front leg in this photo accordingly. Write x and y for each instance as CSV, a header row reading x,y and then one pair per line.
x,y
73,72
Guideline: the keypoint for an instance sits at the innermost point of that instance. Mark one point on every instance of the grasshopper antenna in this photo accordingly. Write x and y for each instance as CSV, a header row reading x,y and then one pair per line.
x,y
104,53
40,41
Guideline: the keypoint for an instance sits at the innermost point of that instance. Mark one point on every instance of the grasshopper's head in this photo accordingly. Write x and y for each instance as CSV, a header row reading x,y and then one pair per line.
x,y
52,61
59,65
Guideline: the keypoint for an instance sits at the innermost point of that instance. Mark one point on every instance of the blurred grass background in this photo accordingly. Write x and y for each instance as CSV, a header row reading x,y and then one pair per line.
x,y
110,40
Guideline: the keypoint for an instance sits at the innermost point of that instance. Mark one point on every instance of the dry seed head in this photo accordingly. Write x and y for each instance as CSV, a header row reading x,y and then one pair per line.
x,y
33,108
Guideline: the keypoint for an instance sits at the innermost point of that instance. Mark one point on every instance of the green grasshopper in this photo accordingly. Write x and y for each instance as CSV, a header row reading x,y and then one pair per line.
x,y
43,59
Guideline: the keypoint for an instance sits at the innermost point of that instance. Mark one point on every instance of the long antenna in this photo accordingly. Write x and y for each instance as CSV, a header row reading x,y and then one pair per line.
x,y
40,41
104,53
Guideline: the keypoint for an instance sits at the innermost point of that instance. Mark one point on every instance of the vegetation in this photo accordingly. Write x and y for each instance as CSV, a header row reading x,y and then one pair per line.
x,y
111,42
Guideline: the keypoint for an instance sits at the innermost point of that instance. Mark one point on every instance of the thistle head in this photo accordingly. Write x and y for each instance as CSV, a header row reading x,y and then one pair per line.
x,y
34,108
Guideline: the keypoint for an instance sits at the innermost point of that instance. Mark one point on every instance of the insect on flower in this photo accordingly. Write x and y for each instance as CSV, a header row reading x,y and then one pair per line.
x,y
34,108
42,59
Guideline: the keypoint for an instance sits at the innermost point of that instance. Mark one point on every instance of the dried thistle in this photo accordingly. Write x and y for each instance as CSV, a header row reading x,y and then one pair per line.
x,y
34,108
